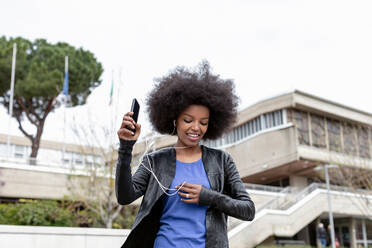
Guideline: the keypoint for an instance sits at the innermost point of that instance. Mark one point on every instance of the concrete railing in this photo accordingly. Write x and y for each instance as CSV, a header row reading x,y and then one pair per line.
x,y
51,163
286,201
264,187
303,208
256,191
54,163
60,237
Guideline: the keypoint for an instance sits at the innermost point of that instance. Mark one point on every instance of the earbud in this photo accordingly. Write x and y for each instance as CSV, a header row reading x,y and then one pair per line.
x,y
174,127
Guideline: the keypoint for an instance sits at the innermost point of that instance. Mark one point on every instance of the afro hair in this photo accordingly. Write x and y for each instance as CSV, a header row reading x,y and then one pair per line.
x,y
183,87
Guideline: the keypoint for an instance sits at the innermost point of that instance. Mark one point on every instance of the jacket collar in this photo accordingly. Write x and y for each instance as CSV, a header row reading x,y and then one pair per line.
x,y
209,167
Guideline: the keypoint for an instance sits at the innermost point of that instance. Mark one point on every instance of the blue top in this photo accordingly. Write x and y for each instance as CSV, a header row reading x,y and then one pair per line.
x,y
182,225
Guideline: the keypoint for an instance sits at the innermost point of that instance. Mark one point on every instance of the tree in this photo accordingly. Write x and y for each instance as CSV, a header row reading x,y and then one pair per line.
x,y
93,183
39,80
352,178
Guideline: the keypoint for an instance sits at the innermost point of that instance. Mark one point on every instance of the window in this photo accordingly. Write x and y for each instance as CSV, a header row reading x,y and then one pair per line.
x,y
334,135
291,115
350,144
369,229
249,128
359,229
318,131
363,144
273,119
245,130
19,151
240,133
78,159
269,120
235,135
97,160
66,158
88,160
257,124
278,118
302,127
3,149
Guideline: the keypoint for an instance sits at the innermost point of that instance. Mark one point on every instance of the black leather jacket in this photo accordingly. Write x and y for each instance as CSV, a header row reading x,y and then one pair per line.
x,y
227,195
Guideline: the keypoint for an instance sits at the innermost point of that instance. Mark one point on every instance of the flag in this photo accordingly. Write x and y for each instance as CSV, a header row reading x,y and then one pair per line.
x,y
65,84
111,91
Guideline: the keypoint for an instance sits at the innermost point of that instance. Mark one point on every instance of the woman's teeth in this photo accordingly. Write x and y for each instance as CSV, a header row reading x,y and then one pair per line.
x,y
193,135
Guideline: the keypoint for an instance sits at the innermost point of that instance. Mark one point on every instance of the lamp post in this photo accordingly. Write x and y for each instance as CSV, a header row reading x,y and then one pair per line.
x,y
330,214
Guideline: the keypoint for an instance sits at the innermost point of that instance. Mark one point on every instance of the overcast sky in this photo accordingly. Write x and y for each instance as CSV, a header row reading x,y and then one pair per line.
x,y
323,47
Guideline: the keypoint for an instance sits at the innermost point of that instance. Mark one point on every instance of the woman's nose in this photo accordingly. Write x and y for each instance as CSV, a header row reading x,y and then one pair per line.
x,y
195,126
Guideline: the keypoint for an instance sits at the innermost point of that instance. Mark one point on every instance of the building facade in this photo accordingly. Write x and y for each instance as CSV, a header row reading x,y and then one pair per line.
x,y
280,146
282,143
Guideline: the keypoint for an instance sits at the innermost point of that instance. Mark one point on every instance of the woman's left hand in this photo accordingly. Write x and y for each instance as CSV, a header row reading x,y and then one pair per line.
x,y
190,192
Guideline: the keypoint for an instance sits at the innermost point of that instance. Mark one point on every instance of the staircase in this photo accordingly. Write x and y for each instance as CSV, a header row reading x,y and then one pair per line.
x,y
286,215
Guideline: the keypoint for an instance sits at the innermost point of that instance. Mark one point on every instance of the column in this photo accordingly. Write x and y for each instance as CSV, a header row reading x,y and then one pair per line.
x,y
364,233
352,230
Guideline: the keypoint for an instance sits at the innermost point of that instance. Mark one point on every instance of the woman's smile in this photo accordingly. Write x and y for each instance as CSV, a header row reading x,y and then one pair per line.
x,y
192,124
193,137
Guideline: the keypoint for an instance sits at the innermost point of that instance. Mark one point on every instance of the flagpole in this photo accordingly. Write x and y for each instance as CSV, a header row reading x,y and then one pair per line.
x,y
11,94
112,125
117,97
65,94
111,103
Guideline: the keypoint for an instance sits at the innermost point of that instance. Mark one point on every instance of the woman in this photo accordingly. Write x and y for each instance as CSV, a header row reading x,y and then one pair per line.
x,y
188,189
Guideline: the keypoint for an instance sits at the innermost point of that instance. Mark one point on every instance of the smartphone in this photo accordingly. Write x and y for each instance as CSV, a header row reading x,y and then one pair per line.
x,y
135,109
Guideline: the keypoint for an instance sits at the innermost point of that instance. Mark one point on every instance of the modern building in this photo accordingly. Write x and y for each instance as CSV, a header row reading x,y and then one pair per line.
x,y
51,153
279,145
48,176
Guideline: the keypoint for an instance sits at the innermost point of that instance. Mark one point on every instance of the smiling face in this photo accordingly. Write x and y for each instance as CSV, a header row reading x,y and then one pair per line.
x,y
192,124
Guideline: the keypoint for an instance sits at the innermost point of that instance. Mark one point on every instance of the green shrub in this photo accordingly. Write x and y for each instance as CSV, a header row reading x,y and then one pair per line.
x,y
59,213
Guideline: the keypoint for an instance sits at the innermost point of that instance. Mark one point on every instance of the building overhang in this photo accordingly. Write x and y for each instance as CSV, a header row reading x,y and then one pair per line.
x,y
307,102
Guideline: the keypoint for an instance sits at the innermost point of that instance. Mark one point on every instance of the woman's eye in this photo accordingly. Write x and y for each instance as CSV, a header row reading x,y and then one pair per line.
x,y
204,124
187,121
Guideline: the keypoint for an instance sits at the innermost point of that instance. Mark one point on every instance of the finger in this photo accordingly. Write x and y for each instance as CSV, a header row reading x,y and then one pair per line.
x,y
129,114
126,124
125,132
187,189
190,191
189,200
190,185
185,185
128,118
125,121
138,127
183,188
186,195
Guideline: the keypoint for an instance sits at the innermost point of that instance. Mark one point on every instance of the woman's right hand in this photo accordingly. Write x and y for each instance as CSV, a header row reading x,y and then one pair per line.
x,y
125,133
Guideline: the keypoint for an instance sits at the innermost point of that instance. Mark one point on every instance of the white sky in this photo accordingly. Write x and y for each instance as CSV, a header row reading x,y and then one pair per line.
x,y
268,47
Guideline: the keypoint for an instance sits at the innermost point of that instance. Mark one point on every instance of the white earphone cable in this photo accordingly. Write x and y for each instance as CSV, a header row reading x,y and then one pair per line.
x,y
163,188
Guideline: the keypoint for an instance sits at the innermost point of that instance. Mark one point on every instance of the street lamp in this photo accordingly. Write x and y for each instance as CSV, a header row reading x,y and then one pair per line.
x,y
330,214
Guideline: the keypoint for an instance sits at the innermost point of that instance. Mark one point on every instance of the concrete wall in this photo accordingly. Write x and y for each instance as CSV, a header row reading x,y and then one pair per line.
x,y
26,181
330,157
265,151
60,237
38,183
